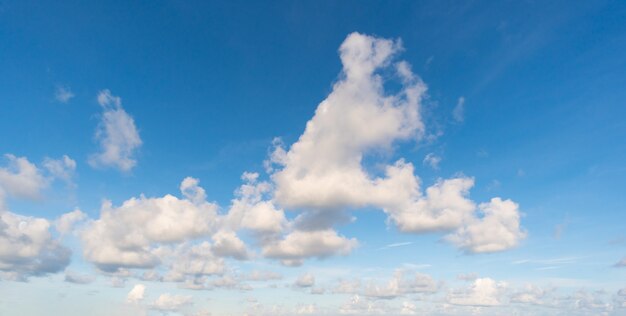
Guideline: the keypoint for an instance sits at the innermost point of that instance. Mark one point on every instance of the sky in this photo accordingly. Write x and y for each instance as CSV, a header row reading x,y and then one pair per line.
x,y
312,157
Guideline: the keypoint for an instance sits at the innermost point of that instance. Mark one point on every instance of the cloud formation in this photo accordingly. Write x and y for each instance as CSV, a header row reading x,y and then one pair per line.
x,y
116,134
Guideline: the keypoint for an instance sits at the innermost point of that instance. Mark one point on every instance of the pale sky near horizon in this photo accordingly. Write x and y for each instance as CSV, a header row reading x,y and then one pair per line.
x,y
312,157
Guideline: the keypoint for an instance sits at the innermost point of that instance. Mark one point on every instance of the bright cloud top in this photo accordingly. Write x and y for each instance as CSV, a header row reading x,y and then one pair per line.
x,y
117,135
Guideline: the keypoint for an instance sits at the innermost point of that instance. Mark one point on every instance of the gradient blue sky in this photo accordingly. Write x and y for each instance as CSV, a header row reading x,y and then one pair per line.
x,y
525,97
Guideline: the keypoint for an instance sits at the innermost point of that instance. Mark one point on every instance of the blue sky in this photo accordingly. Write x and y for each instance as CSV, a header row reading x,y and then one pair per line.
x,y
311,157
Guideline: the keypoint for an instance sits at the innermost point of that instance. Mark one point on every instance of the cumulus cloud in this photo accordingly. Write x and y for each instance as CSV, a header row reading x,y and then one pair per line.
x,y
299,245
323,173
27,247
116,134
253,210
227,244
169,302
497,230
323,169
131,235
482,292
136,294
305,280
63,94
21,178
66,222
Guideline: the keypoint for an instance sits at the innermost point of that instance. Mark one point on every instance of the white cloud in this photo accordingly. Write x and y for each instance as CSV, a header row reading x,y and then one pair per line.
x,y
497,230
21,178
73,277
482,292
621,263
402,283
251,210
27,248
227,244
459,110
323,174
129,235
136,294
66,222
197,260
432,161
169,302
323,168
63,168
299,245
63,94
305,280
117,135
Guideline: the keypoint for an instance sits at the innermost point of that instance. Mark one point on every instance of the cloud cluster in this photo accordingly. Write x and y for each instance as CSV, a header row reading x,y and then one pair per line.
x,y
117,135
324,173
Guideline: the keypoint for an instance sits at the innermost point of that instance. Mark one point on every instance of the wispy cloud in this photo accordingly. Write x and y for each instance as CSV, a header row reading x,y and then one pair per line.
x,y
63,94
395,245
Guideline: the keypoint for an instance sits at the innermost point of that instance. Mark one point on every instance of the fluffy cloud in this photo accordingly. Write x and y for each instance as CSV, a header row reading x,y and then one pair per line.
x,y
299,245
497,230
482,292
169,302
21,178
27,247
136,294
117,135
305,280
63,168
66,222
131,235
252,210
323,172
323,169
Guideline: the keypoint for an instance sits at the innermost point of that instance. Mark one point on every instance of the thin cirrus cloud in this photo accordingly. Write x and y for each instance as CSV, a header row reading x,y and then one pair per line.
x,y
116,134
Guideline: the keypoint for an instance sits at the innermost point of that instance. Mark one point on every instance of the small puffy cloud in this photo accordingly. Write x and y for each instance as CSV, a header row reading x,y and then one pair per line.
x,y
66,222
130,236
27,248
63,94
497,230
432,161
73,277
459,110
403,282
21,178
252,210
169,302
227,244
305,280
116,134
197,260
136,294
482,292
63,168
299,245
